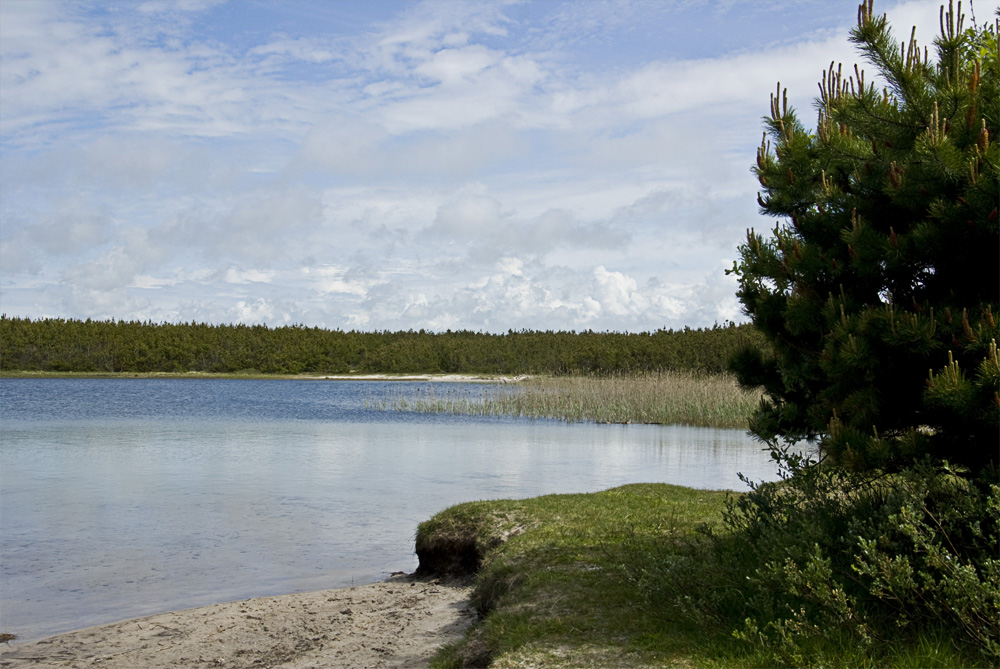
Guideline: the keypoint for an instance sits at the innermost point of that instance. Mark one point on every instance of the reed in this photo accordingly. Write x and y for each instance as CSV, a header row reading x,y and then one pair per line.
x,y
683,398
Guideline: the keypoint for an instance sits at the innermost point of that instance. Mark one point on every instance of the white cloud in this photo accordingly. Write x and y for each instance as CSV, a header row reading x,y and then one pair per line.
x,y
469,217
439,164
234,274
334,280
618,293
455,65
157,6
257,311
311,50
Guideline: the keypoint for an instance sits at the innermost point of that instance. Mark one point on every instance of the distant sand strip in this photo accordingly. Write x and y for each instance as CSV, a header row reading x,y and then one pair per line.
x,y
441,378
395,623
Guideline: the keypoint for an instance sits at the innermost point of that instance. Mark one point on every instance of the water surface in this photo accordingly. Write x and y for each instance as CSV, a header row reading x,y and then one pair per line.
x,y
127,497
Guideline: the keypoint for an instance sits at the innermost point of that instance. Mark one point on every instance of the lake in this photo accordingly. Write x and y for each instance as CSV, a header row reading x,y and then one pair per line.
x,y
127,497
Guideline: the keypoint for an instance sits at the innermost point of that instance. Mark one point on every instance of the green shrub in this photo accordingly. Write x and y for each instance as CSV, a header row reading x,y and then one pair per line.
x,y
877,288
832,564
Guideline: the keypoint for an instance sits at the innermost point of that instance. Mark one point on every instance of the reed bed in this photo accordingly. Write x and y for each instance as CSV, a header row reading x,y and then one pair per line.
x,y
683,398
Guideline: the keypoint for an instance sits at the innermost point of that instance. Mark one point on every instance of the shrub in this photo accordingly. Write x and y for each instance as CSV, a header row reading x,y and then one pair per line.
x,y
825,562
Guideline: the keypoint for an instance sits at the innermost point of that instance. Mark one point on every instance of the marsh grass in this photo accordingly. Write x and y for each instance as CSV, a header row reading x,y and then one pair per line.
x,y
681,398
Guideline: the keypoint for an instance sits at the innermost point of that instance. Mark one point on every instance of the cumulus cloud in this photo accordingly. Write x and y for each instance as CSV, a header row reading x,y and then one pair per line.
x,y
431,164
454,65
618,294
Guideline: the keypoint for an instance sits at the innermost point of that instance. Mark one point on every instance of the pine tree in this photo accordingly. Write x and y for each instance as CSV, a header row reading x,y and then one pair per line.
x,y
879,290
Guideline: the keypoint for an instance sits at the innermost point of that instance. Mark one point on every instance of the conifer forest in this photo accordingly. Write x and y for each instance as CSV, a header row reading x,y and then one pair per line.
x,y
67,345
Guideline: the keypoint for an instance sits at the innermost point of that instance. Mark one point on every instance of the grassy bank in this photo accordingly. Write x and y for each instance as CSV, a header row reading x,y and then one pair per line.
x,y
556,585
682,398
550,581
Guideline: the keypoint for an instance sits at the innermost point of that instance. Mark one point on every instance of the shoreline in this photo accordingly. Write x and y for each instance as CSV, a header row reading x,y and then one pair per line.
x,y
428,377
435,378
399,622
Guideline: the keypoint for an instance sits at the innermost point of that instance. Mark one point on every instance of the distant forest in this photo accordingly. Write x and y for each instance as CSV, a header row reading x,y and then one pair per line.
x,y
59,345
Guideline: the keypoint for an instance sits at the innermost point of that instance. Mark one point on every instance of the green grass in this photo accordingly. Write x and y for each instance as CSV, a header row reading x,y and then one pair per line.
x,y
682,398
553,592
551,583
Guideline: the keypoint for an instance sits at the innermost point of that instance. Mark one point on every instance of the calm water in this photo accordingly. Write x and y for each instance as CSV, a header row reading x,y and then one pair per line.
x,y
121,498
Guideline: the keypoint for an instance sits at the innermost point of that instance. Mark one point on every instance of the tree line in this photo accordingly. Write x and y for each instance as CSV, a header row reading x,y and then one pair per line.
x,y
68,345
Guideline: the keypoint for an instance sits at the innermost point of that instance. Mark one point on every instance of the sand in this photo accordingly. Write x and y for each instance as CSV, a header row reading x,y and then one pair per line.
x,y
396,623
440,378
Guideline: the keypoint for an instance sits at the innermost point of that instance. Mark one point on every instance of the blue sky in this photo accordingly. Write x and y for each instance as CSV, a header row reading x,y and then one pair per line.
x,y
392,165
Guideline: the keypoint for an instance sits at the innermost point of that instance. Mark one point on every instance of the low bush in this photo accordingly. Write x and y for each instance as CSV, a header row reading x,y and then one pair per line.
x,y
828,567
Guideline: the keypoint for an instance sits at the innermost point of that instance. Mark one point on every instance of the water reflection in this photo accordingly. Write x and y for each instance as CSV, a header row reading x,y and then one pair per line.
x,y
123,498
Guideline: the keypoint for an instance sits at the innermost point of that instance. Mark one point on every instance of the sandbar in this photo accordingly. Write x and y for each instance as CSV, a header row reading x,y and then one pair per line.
x,y
436,378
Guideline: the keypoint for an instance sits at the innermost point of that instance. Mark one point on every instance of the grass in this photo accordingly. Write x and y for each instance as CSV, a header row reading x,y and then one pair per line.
x,y
550,583
552,589
682,398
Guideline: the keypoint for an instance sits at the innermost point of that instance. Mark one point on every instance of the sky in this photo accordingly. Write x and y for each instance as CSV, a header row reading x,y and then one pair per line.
x,y
393,165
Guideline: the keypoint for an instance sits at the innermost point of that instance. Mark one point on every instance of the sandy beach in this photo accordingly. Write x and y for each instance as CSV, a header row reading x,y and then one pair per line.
x,y
395,623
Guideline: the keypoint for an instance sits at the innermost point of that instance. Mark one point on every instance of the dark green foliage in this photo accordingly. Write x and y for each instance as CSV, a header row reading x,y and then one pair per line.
x,y
828,564
879,293
879,289
841,559
117,346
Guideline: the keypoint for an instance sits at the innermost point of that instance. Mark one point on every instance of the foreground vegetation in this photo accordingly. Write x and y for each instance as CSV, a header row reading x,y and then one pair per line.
x,y
679,398
550,584
875,304
59,345
659,575
876,289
